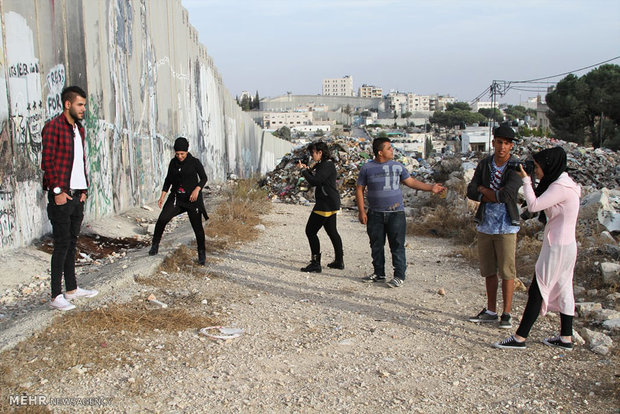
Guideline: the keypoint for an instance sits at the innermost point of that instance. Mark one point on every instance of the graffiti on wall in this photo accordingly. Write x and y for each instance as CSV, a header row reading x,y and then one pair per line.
x,y
98,162
7,219
55,82
26,106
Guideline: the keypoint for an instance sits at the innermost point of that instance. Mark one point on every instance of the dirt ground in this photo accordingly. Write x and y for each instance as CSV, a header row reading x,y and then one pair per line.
x,y
310,342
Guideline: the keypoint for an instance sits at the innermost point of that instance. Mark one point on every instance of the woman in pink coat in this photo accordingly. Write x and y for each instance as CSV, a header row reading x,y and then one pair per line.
x,y
557,198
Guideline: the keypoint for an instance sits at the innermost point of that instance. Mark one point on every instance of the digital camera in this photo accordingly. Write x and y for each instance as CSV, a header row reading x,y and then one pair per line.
x,y
528,166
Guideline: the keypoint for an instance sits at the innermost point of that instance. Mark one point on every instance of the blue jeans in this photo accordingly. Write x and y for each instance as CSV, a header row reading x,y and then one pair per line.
x,y
393,225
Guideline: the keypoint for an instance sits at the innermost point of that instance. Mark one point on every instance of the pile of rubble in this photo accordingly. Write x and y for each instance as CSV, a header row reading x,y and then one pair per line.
x,y
286,184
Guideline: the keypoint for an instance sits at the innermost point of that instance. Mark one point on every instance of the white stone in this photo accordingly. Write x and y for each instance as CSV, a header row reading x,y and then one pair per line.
x,y
610,272
259,227
597,339
578,339
612,324
150,229
583,308
605,314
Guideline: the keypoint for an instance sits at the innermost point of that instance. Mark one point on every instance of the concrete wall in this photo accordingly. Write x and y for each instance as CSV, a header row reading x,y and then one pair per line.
x,y
291,102
148,81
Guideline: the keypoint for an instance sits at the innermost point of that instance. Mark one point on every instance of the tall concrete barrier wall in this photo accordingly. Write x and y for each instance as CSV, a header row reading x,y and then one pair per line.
x,y
148,81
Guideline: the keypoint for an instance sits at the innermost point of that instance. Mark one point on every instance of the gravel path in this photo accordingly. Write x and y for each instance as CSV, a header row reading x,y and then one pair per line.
x,y
329,343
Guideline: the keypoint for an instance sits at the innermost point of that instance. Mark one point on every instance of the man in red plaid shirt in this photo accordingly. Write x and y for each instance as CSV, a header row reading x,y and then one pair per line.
x,y
64,176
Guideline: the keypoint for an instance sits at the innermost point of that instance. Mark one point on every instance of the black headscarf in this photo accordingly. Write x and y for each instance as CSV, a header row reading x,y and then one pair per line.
x,y
553,163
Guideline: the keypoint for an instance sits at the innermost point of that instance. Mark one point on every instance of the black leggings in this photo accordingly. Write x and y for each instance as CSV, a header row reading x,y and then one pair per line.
x,y
532,309
315,222
169,211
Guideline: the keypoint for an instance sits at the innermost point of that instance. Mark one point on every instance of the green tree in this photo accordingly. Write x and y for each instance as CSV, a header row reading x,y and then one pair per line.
x,y
587,109
492,113
406,115
245,103
319,133
428,147
455,117
283,132
256,101
464,106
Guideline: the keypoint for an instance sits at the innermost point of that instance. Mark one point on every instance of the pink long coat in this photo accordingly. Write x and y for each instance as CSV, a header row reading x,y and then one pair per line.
x,y
556,262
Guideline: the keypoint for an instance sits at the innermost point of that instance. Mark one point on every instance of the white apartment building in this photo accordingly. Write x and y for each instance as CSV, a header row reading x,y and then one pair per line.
x,y
442,102
398,102
483,104
418,102
275,120
370,91
339,86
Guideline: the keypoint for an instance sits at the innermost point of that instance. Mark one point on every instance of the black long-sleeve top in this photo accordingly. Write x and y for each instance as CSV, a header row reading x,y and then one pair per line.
x,y
323,177
187,175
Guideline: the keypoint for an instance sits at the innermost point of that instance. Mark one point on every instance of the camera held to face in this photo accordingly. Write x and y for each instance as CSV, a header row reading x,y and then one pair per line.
x,y
528,166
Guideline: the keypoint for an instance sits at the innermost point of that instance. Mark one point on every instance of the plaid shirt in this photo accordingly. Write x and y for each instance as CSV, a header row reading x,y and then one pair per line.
x,y
57,162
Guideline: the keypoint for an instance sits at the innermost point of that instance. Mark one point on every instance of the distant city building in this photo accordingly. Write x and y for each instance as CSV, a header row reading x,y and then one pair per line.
x,y
338,86
398,102
370,91
275,120
442,102
418,102
483,104
541,115
476,139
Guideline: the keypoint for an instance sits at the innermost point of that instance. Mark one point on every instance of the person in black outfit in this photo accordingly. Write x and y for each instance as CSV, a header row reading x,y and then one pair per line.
x,y
187,176
322,175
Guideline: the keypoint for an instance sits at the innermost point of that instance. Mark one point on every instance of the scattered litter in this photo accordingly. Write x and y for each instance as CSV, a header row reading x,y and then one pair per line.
x,y
154,300
224,332
441,292
147,208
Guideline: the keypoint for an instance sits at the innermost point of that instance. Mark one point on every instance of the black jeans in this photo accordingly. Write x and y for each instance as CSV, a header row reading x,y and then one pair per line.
x,y
314,224
66,221
171,210
532,309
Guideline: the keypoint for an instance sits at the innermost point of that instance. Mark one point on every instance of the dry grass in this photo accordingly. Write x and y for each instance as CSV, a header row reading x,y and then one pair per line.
x,y
236,216
445,222
102,338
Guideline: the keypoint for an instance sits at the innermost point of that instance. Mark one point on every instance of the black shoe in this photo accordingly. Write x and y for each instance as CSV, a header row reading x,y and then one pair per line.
x,y
557,342
374,279
505,321
484,316
510,343
154,249
336,264
314,266
201,257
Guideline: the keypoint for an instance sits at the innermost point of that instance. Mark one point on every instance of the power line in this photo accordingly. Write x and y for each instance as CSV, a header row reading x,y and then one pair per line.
x,y
567,73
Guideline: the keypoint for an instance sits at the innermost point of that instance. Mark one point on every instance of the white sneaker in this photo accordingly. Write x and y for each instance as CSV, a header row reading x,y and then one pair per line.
x,y
61,303
81,293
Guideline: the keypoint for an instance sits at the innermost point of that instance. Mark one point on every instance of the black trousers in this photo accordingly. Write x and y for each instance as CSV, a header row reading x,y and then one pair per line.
x,y
532,310
171,210
314,224
66,221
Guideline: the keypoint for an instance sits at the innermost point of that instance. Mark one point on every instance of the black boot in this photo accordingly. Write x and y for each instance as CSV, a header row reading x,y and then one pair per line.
x,y
338,263
315,264
154,249
201,257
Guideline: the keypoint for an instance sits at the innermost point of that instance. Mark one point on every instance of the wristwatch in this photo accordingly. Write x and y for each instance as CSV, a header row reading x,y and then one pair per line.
x,y
57,190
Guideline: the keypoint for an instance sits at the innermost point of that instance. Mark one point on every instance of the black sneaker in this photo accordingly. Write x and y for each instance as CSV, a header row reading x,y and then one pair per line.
x,y
395,282
558,343
509,343
484,316
373,278
505,322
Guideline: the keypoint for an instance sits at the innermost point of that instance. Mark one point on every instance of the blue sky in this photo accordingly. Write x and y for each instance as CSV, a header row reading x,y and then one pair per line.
x,y
426,47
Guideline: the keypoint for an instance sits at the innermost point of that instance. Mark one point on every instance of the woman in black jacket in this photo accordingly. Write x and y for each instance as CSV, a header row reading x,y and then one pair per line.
x,y
187,176
323,176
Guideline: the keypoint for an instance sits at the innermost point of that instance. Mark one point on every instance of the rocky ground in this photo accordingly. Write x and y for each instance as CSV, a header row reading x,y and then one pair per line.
x,y
310,343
